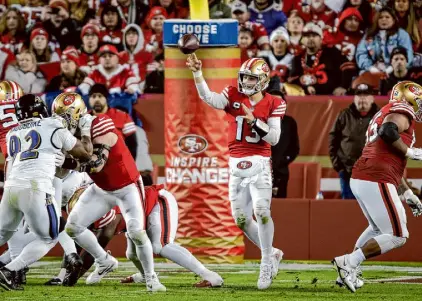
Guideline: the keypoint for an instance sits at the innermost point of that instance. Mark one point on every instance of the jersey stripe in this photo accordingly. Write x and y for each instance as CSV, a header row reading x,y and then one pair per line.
x,y
102,124
107,219
106,130
404,110
226,92
129,128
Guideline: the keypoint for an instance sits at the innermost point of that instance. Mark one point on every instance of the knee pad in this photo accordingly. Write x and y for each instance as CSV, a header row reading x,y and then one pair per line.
x,y
241,219
262,214
156,248
136,233
388,242
73,229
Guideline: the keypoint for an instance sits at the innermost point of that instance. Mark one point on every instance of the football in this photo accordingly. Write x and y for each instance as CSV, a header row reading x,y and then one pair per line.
x,y
188,43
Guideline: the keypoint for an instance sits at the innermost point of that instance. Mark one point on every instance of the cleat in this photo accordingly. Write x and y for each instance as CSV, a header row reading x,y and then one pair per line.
x,y
345,271
210,279
358,281
23,275
102,268
73,267
54,282
265,276
7,280
135,278
153,284
276,257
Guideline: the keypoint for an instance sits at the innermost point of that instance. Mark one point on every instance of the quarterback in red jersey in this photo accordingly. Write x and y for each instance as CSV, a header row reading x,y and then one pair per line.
x,y
116,182
254,125
377,180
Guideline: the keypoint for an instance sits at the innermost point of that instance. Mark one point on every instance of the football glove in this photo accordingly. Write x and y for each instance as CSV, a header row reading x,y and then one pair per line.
x,y
414,153
85,124
413,202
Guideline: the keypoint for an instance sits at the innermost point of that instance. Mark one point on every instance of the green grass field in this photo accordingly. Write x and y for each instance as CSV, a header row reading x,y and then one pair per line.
x,y
295,281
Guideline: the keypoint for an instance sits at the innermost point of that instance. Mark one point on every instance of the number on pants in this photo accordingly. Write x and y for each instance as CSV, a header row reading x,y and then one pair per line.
x,y
31,153
239,132
8,119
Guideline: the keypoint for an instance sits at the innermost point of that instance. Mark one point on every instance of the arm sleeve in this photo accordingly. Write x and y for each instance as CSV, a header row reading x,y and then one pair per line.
x,y
334,143
63,139
405,41
86,85
215,100
101,125
362,56
132,82
273,135
132,144
128,126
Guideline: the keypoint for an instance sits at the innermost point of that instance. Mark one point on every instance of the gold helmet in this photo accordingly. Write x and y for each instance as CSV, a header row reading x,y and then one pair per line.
x,y
410,93
10,91
70,106
397,92
257,68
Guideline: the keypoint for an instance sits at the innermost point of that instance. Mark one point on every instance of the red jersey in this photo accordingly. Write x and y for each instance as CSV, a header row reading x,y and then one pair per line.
x,y
138,62
120,169
114,37
244,141
122,121
87,61
379,162
259,32
7,122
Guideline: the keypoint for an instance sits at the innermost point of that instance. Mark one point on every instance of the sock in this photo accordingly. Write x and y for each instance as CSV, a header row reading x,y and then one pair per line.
x,y
356,258
183,257
89,242
144,253
266,235
365,236
67,243
32,252
61,274
5,257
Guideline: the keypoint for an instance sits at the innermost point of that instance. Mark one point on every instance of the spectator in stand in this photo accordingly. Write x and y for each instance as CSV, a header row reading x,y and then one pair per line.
x,y
268,13
279,58
132,11
406,16
70,74
116,77
284,152
6,58
134,53
374,50
98,95
400,71
173,11
39,46
318,70
88,57
60,27
80,12
112,25
219,10
143,158
241,14
155,76
154,35
32,12
348,135
247,45
348,33
295,25
317,12
365,10
12,30
26,73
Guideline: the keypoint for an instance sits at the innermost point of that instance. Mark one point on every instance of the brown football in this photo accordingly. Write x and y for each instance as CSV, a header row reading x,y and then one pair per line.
x,y
188,43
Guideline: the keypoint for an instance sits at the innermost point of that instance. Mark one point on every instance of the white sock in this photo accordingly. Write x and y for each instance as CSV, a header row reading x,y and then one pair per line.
x,y
144,253
32,252
266,235
89,242
67,243
366,236
356,258
5,257
184,258
61,274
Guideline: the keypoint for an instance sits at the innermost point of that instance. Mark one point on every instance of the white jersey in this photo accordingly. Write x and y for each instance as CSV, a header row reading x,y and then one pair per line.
x,y
33,145
73,182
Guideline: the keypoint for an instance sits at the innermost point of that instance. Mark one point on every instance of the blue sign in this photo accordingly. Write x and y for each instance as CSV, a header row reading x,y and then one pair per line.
x,y
210,33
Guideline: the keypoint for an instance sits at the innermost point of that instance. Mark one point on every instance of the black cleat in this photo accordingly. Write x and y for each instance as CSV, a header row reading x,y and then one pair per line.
x,y
18,279
54,282
23,275
73,268
7,280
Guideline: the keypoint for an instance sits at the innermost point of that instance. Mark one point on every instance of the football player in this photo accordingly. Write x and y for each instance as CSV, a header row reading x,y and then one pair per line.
x,y
254,125
377,175
32,146
116,182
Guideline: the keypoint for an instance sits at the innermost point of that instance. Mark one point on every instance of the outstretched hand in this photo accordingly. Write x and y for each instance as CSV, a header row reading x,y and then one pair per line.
x,y
193,63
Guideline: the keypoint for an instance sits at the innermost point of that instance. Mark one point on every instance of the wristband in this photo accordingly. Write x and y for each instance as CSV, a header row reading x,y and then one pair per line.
x,y
197,74
408,194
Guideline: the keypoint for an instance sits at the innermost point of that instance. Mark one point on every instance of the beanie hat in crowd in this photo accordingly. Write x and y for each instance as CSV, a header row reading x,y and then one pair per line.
x,y
71,54
99,88
59,4
155,11
90,29
280,31
38,32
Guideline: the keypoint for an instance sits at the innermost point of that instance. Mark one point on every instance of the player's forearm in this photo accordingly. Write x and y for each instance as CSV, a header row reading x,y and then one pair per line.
x,y
400,146
268,132
87,144
213,99
402,187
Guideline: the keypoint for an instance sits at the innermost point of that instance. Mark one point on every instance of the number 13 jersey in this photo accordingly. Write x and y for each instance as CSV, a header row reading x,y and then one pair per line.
x,y
243,140
379,161
33,144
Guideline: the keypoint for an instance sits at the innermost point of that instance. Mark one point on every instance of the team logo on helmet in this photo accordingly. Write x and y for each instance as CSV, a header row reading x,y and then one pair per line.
x,y
415,90
68,100
265,68
244,164
192,144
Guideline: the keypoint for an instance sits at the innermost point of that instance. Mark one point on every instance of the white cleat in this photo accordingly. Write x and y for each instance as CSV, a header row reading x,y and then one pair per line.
x,y
153,284
276,257
345,271
265,276
102,268
357,279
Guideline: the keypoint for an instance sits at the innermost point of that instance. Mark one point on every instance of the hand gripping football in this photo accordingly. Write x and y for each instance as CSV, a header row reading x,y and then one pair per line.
x,y
188,43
